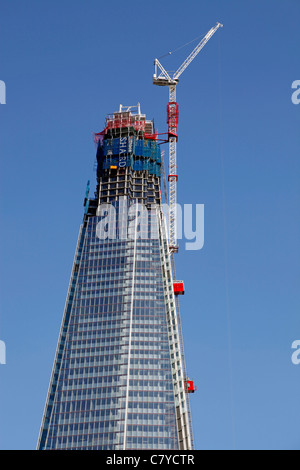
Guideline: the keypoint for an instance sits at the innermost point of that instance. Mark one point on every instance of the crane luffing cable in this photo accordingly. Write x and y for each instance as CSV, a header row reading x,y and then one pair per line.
x,y
170,79
180,47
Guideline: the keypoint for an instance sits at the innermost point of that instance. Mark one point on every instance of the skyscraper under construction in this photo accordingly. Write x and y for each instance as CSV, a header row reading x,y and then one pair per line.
x,y
119,379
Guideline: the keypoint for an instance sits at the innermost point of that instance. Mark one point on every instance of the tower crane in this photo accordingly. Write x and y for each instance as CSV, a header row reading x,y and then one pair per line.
x,y
171,80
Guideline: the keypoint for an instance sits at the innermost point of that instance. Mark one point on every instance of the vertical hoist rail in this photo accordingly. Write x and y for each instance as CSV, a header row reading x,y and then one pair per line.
x,y
177,360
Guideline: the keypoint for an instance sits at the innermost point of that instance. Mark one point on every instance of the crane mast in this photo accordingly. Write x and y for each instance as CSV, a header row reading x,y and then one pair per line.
x,y
164,79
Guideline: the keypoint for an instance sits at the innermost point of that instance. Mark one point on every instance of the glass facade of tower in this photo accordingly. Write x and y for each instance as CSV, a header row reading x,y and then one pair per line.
x,y
112,385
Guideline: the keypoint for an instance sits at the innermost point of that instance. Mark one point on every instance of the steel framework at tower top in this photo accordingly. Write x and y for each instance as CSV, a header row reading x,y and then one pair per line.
x,y
171,80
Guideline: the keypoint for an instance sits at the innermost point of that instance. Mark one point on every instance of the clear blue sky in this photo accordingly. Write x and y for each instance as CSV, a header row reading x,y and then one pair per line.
x,y
66,64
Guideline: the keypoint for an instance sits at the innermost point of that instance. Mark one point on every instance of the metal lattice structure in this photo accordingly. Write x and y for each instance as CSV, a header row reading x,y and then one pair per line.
x,y
171,80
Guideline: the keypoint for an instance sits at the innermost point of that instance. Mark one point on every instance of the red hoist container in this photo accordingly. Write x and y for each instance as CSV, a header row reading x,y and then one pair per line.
x,y
178,287
190,387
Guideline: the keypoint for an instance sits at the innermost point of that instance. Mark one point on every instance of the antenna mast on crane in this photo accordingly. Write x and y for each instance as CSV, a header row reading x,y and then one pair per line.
x,y
164,79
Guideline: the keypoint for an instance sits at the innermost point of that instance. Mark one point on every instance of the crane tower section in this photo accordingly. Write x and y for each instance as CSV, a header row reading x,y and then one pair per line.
x,y
164,78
